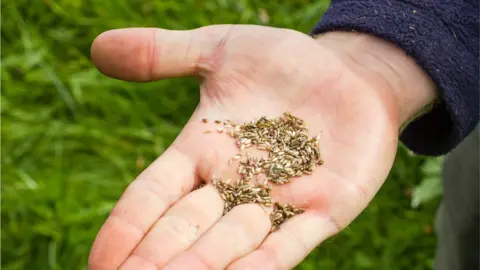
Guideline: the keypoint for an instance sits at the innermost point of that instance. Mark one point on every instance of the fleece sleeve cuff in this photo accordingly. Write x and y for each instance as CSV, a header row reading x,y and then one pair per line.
x,y
442,36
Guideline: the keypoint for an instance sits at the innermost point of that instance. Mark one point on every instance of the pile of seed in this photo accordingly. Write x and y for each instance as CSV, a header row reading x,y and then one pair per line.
x,y
291,153
242,192
282,212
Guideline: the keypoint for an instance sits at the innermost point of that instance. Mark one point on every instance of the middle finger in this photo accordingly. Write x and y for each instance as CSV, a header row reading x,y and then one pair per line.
x,y
177,229
236,234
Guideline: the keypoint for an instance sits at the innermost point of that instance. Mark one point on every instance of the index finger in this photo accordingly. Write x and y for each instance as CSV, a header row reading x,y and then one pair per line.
x,y
169,178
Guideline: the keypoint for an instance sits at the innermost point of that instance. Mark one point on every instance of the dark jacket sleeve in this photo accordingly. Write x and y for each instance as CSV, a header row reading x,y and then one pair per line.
x,y
443,37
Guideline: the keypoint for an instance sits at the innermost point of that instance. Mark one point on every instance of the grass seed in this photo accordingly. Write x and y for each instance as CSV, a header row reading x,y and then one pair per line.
x,y
291,153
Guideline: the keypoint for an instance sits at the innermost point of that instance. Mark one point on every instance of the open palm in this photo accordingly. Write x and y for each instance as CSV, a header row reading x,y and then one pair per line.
x,y
163,222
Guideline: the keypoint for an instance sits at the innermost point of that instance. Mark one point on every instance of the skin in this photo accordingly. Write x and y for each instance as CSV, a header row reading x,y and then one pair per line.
x,y
354,90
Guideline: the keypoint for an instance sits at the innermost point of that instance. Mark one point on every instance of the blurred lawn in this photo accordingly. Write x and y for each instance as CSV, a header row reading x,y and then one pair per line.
x,y
73,139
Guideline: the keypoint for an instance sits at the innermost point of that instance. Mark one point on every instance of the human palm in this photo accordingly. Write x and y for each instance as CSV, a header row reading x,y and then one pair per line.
x,y
163,221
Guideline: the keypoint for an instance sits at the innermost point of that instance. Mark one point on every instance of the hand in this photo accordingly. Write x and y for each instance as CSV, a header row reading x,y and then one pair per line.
x,y
353,90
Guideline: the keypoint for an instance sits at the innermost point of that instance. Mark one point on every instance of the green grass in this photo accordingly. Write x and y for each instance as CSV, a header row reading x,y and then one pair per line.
x,y
72,139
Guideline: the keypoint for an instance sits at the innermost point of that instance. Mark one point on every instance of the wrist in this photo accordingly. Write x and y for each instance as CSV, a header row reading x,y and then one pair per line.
x,y
386,68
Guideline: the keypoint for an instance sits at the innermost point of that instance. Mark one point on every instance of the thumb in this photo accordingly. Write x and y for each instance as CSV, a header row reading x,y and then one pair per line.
x,y
147,54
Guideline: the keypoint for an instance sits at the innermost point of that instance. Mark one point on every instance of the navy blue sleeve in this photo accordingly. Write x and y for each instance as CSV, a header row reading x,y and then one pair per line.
x,y
443,37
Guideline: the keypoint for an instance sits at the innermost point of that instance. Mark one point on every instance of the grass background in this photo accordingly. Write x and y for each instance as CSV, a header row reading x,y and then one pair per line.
x,y
73,139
